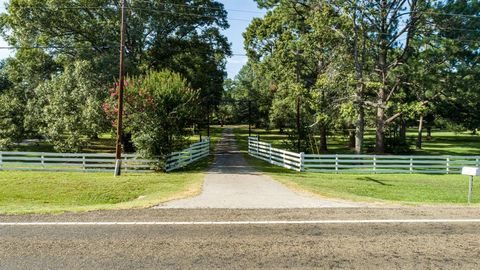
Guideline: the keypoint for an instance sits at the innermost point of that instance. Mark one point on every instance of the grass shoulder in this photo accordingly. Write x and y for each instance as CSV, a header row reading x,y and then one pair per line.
x,y
46,192
56,192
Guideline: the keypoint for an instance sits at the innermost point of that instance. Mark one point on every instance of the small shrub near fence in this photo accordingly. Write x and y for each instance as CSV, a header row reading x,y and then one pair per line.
x,y
359,163
91,162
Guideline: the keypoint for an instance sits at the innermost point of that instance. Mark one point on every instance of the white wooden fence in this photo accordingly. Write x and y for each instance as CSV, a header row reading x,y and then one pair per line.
x,y
182,158
359,163
91,162
71,162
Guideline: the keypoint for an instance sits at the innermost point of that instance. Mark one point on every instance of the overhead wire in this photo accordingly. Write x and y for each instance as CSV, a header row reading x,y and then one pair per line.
x,y
211,16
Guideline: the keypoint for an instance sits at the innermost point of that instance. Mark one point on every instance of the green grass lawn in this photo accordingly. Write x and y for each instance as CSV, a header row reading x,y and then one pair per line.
x,y
398,188
47,192
51,192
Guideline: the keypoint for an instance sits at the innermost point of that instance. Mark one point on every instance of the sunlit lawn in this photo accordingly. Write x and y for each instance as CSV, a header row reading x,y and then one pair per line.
x,y
399,188
48,192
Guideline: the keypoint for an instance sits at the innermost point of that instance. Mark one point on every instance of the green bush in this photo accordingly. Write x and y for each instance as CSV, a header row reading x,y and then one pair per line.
x,y
158,108
67,109
11,120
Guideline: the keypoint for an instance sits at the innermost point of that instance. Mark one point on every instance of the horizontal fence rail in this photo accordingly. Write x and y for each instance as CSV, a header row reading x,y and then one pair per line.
x,y
97,162
359,163
71,162
189,155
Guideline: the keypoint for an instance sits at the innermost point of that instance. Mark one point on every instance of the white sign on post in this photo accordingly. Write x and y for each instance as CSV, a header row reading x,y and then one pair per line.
x,y
470,171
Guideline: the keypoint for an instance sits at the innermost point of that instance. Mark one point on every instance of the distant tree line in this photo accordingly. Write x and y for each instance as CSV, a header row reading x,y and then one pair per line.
x,y
316,67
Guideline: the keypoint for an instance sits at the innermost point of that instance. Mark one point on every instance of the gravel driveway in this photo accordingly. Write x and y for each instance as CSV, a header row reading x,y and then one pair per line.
x,y
232,183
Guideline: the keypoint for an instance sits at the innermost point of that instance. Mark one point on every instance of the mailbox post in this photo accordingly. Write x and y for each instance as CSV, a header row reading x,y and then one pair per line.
x,y
471,172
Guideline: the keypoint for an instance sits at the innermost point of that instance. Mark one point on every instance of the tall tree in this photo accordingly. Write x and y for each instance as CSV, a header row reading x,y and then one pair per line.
x,y
183,36
299,43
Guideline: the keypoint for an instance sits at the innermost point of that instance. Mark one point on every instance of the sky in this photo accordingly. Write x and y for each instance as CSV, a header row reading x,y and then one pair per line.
x,y
240,13
3,52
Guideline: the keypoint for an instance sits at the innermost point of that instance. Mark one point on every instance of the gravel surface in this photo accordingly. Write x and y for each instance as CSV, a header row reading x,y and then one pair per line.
x,y
232,183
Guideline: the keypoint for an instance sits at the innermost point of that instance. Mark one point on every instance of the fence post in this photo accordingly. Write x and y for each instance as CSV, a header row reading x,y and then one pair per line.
x,y
477,162
1,161
336,163
448,164
125,163
374,164
301,167
208,146
270,153
42,160
83,162
411,164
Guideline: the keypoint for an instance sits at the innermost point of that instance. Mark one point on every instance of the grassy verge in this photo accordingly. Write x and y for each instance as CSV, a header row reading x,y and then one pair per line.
x,y
56,192
46,192
399,188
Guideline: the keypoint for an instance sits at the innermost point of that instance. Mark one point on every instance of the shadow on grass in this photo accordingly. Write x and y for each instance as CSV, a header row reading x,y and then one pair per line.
x,y
374,180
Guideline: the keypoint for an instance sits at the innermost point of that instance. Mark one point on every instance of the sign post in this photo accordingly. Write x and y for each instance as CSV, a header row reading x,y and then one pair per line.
x,y
471,172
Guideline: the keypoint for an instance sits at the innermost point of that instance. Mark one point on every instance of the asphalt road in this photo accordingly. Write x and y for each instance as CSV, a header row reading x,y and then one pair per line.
x,y
423,245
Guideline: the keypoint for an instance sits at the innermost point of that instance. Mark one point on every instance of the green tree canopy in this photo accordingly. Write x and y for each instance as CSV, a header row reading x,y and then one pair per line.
x,y
158,108
182,36
68,108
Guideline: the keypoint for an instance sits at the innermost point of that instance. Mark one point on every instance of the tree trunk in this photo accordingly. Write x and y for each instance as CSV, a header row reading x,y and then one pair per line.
x,y
380,132
359,130
323,139
420,129
403,131
351,138
429,133
359,59
383,73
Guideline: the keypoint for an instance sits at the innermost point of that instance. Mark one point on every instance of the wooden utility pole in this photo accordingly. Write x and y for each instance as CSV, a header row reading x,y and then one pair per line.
x,y
208,119
249,118
118,149
297,78
299,138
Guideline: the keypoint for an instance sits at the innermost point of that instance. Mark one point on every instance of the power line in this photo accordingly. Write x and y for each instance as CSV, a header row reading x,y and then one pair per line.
x,y
234,10
202,7
188,14
142,9
135,8
73,47
449,14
